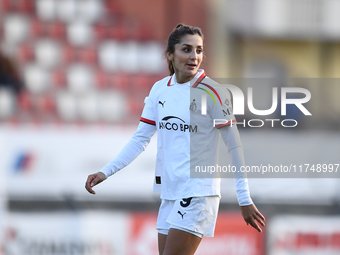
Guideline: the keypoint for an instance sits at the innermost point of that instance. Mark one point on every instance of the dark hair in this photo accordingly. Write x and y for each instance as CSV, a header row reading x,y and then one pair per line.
x,y
176,36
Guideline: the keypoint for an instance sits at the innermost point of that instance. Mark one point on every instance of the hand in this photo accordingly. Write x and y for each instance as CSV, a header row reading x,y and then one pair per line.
x,y
93,180
251,215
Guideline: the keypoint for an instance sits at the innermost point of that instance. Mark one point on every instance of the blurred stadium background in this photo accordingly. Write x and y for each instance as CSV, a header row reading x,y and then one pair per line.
x,y
74,75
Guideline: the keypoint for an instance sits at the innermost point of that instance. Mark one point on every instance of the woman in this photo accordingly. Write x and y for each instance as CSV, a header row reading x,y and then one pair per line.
x,y
189,205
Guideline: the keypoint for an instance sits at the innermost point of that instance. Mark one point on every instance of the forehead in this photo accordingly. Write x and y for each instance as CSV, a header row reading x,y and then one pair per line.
x,y
193,40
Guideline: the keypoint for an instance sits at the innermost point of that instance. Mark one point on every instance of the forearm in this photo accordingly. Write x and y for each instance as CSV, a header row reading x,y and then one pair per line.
x,y
241,181
231,138
131,150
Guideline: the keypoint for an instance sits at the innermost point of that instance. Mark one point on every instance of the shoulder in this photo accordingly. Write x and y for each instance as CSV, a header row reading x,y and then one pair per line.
x,y
215,89
160,85
157,89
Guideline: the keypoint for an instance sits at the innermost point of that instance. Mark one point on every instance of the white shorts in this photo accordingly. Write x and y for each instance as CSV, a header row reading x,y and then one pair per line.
x,y
196,215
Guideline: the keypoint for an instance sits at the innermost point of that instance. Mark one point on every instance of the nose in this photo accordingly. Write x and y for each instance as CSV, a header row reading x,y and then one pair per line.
x,y
193,55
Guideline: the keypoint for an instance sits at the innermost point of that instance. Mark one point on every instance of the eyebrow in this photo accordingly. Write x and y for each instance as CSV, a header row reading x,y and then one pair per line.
x,y
188,45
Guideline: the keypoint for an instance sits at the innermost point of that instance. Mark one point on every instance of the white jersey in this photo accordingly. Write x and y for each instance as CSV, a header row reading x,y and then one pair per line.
x,y
186,138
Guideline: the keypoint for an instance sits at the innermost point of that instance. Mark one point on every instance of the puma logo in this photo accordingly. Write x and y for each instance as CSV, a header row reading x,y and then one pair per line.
x,y
181,214
161,103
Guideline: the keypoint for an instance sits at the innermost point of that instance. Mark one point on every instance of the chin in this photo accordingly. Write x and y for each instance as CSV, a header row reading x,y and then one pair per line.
x,y
192,72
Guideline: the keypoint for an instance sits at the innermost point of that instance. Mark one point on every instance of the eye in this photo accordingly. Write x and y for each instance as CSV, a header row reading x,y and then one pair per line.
x,y
186,50
199,51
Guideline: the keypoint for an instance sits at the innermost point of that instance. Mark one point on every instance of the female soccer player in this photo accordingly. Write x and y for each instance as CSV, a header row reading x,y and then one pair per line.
x,y
186,138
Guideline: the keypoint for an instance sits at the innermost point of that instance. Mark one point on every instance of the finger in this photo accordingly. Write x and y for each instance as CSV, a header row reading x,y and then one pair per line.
x,y
253,223
261,216
95,181
89,189
259,220
88,184
89,180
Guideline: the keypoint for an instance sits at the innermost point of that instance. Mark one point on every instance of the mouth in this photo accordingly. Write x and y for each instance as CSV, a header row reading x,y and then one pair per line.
x,y
192,66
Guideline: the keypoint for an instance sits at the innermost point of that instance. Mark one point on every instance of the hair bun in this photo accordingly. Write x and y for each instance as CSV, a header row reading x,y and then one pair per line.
x,y
179,25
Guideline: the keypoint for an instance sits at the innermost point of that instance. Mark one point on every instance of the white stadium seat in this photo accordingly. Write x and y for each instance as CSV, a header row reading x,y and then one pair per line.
x,y
90,10
46,9
66,106
47,53
37,79
67,10
7,103
128,57
15,28
109,106
151,58
79,33
108,56
112,106
80,78
88,107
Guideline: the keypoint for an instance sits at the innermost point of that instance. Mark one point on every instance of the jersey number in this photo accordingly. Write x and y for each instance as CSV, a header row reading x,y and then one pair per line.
x,y
185,202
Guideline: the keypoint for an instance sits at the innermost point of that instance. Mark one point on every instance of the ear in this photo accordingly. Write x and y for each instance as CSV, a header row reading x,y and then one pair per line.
x,y
170,56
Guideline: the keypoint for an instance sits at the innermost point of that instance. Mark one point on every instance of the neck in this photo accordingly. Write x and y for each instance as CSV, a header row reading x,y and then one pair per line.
x,y
183,78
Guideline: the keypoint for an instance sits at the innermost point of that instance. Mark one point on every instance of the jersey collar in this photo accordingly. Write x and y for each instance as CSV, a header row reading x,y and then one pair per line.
x,y
199,76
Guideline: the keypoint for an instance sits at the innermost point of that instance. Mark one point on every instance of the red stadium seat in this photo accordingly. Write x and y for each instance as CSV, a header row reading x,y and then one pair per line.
x,y
5,6
138,83
144,33
56,30
68,54
45,104
59,78
118,81
112,8
24,6
100,32
25,101
24,54
53,29
135,106
102,79
87,55
117,32
36,29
